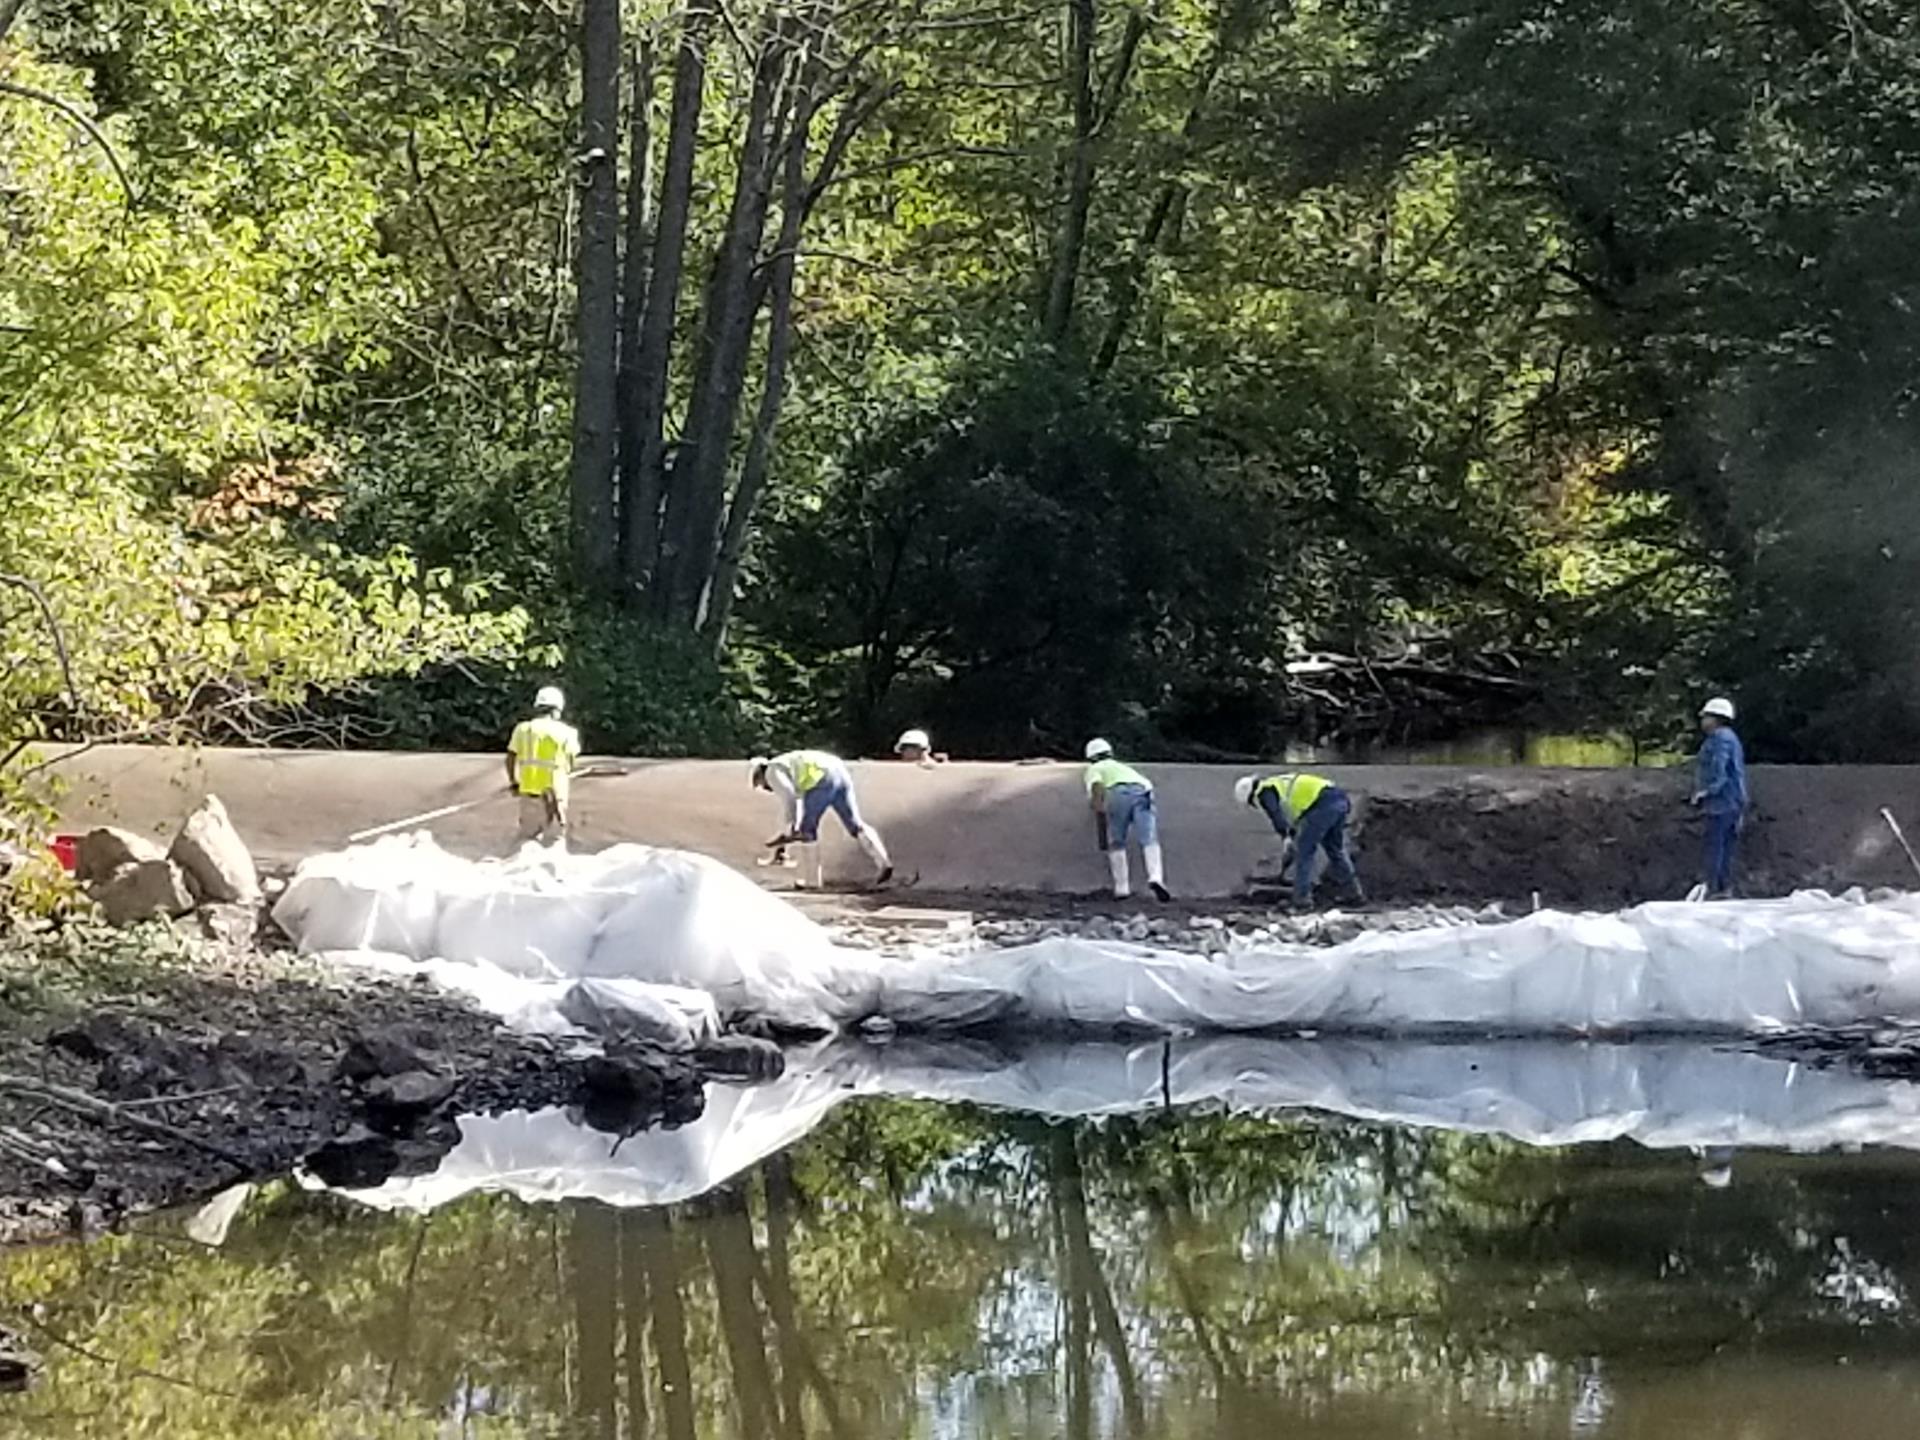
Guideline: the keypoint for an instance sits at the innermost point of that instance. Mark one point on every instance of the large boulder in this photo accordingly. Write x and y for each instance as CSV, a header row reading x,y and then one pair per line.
x,y
214,856
98,853
143,890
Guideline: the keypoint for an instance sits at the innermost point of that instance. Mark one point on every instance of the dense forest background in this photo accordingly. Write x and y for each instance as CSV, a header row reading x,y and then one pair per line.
x,y
1210,373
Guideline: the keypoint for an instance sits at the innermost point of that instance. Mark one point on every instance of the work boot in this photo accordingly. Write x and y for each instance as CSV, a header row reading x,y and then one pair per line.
x,y
1156,873
881,880
1354,894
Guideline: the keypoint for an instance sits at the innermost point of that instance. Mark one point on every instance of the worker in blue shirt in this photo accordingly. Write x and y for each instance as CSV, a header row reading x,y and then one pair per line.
x,y
1720,790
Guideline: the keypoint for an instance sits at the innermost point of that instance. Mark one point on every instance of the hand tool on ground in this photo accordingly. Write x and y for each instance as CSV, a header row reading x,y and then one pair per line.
x,y
589,772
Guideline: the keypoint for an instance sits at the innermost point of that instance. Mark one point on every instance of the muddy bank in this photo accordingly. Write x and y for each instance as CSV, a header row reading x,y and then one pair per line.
x,y
141,1071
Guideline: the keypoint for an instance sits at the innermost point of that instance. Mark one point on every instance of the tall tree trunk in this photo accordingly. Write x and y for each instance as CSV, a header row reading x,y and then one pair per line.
x,y
1235,23
651,1233
1071,242
732,1258
594,541
642,504
1070,1182
777,1175
591,1241
696,484
759,458
633,1310
635,262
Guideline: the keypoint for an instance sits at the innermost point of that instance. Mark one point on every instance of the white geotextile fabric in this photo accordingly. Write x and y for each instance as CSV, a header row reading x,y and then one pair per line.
x,y
1665,1095
666,917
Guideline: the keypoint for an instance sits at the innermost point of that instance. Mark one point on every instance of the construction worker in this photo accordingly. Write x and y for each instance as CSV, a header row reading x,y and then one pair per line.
x,y
809,783
1309,812
540,760
1720,790
916,748
1121,799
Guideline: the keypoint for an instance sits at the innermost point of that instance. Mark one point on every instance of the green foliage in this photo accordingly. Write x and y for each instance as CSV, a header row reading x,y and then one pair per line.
x,y
1469,338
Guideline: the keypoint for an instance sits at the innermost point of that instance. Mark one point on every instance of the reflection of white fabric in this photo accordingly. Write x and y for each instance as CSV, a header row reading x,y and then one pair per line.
x,y
669,917
1663,1095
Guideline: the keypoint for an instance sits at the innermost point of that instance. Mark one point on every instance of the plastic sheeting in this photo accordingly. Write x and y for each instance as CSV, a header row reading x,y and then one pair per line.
x,y
515,933
1661,1094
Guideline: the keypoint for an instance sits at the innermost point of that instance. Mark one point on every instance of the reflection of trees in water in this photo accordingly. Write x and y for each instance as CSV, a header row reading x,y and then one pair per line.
x,y
1155,1276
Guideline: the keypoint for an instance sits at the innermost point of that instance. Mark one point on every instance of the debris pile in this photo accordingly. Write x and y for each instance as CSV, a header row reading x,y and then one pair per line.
x,y
207,869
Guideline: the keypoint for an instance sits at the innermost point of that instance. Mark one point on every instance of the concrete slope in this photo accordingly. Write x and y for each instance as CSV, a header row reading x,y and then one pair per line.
x,y
1601,837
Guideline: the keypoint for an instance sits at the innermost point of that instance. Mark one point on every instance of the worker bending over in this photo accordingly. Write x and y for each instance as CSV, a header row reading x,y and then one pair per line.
x,y
1720,789
1310,812
540,760
1122,802
810,783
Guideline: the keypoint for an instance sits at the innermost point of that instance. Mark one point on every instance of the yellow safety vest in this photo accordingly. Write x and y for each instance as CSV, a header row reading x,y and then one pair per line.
x,y
543,751
1297,793
1110,773
807,767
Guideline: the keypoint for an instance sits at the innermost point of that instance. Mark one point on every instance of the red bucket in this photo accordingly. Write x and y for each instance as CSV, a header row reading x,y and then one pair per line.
x,y
64,849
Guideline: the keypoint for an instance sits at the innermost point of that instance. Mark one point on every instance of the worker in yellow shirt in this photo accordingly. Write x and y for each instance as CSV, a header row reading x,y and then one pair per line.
x,y
540,760
1310,812
809,783
1121,799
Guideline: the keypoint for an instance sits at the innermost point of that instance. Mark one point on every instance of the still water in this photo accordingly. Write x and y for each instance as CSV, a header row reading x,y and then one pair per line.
x,y
1154,1266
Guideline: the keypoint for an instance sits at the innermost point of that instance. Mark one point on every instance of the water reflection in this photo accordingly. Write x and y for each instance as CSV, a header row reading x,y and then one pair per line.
x,y
913,1269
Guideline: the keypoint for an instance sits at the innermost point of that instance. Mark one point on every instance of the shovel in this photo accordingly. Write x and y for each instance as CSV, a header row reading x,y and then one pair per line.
x,y
590,772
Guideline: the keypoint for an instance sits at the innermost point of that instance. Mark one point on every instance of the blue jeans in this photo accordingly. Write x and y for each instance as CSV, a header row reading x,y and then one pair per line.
x,y
833,793
1723,844
1130,811
1323,827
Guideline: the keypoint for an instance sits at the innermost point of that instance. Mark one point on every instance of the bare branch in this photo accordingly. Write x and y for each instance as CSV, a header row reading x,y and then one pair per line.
x,y
58,636
84,121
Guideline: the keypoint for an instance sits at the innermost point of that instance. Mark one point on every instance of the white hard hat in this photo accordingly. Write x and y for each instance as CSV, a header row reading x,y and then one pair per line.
x,y
913,739
1243,789
1098,749
549,698
755,766
1719,707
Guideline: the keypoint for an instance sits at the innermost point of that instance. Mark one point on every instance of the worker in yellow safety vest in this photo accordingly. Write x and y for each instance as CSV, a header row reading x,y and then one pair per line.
x,y
1121,799
809,783
1310,812
540,760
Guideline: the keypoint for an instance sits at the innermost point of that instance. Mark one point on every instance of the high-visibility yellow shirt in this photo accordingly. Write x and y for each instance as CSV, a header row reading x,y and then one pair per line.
x,y
544,750
807,767
1110,773
1297,793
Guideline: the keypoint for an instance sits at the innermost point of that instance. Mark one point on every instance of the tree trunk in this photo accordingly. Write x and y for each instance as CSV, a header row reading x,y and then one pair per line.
x,y
1071,242
594,420
696,485
759,459
591,1242
651,1232
635,263
633,1311
1167,202
732,1258
642,504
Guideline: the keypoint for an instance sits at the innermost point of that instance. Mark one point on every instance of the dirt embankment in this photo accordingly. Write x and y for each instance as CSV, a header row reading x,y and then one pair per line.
x,y
140,1070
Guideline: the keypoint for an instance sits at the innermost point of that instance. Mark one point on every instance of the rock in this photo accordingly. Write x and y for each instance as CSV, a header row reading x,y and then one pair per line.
x,y
402,1098
98,853
233,926
211,851
143,890
360,1159
390,1050
741,1057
